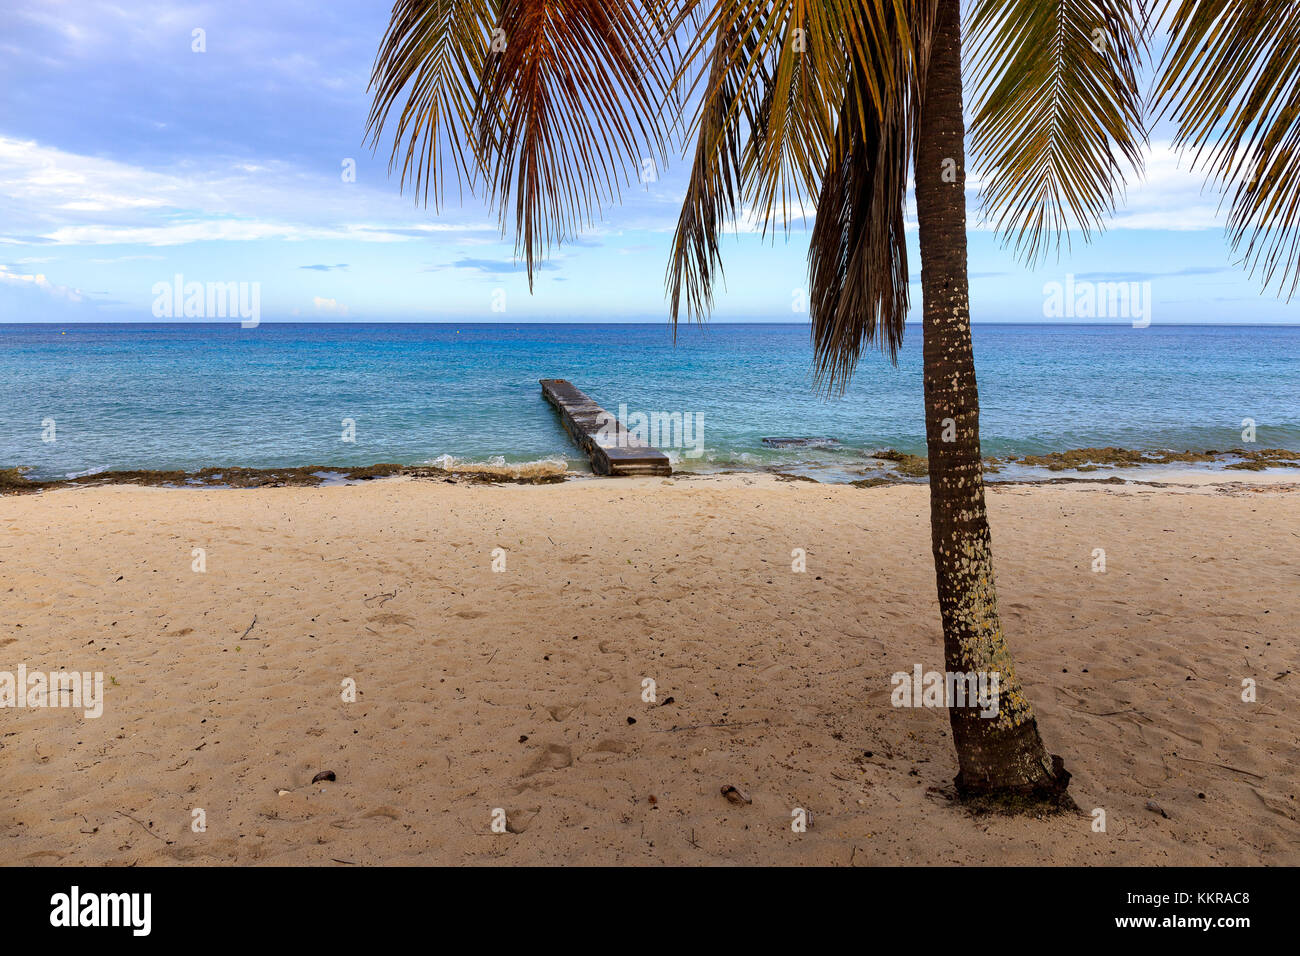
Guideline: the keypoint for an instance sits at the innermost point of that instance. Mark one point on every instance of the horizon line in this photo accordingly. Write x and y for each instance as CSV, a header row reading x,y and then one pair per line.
x,y
665,322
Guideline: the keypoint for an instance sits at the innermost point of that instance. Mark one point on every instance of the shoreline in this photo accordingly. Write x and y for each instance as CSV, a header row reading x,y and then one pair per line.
x,y
1108,465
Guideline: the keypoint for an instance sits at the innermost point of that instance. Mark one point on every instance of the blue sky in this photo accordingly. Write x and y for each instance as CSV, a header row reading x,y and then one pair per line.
x,y
126,158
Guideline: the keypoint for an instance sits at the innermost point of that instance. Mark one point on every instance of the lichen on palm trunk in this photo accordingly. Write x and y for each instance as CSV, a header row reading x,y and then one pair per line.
x,y
1000,757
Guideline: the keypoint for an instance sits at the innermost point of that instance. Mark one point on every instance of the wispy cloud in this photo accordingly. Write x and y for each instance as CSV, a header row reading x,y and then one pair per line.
x,y
1145,276
70,199
491,266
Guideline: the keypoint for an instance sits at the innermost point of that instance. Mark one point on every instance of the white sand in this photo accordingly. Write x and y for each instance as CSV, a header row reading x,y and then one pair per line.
x,y
1136,673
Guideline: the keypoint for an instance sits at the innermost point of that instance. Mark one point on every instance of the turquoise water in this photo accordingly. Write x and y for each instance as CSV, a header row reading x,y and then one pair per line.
x,y
190,395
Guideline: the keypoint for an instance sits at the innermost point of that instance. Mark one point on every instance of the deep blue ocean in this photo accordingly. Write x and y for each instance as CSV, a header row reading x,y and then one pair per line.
x,y
189,395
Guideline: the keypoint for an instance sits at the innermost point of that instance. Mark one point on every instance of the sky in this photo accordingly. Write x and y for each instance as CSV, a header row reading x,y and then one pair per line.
x,y
128,158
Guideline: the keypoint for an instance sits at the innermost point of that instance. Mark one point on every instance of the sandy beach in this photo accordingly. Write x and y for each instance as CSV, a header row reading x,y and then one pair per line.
x,y
522,688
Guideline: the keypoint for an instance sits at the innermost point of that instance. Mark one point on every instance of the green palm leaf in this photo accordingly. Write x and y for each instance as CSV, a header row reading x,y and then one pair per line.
x,y
714,184
1058,115
1232,77
803,102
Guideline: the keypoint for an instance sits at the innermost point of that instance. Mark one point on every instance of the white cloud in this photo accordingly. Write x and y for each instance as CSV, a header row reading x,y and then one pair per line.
x,y
1168,196
38,281
332,306
70,199
77,200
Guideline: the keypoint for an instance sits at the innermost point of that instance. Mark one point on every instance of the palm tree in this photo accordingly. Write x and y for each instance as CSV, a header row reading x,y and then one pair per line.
x,y
549,106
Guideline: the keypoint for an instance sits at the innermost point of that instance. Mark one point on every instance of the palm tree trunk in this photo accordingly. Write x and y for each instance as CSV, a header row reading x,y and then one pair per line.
x,y
1000,756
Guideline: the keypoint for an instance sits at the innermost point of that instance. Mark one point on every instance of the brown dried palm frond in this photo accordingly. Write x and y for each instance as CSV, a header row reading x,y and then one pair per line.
x,y
569,107
858,251
438,49
1231,76
1058,116
857,259
555,103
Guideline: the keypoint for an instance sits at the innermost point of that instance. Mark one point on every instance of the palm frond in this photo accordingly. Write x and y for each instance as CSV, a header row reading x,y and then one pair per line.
x,y
1058,116
437,48
857,259
555,103
570,105
789,144
714,184
770,79
1232,77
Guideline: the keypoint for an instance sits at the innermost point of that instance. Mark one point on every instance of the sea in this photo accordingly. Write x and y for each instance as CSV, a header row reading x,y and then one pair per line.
x,y
82,399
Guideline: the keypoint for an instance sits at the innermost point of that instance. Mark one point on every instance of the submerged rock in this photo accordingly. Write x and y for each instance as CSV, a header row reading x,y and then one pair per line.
x,y
800,442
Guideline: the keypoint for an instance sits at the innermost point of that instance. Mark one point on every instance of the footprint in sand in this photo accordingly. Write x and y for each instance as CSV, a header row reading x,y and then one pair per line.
x,y
1275,803
554,757
559,712
609,747
390,619
517,821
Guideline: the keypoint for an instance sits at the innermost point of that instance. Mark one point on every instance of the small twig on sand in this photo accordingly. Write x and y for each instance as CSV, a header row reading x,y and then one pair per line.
x,y
250,627
1109,713
1223,766
144,825
743,723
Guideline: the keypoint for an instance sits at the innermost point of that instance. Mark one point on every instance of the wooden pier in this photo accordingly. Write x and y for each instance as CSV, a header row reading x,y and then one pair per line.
x,y
612,448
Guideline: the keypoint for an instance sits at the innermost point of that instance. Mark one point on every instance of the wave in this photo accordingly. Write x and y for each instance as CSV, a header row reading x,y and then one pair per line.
x,y
497,466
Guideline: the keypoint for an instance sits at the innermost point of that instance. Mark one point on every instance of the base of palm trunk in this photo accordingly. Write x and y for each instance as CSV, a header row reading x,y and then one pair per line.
x,y
1009,771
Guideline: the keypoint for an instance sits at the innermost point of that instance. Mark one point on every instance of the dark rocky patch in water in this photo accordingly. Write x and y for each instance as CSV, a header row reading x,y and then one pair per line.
x,y
12,480
800,442
1090,459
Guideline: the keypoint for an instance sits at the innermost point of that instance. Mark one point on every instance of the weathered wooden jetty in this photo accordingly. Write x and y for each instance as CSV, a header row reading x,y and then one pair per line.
x,y
613,450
